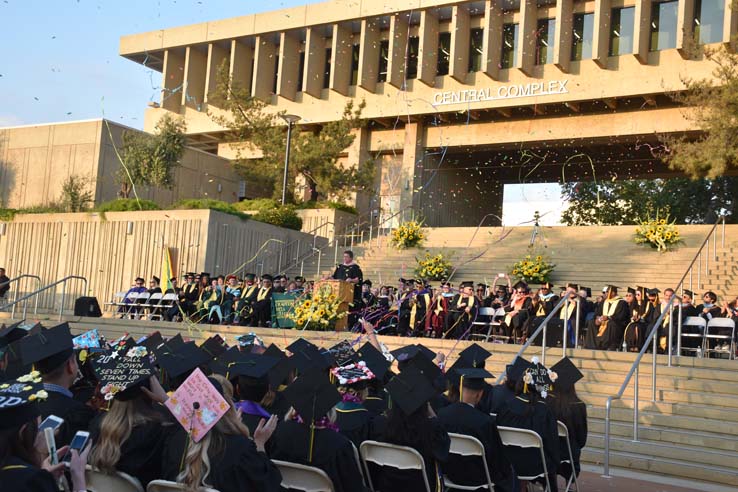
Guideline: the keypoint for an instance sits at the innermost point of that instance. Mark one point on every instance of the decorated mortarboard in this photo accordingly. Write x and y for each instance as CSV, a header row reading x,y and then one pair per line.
x,y
19,398
343,353
464,285
568,374
87,340
214,345
48,348
121,374
410,390
198,404
473,377
516,370
312,395
298,345
538,377
475,355
353,373
185,358
374,359
249,339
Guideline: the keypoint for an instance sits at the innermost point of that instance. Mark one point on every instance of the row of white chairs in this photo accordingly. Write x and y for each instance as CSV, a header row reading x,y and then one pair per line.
x,y
494,317
142,306
709,334
311,479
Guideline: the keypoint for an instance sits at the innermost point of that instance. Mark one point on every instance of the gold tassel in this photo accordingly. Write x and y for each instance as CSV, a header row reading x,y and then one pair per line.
x,y
312,441
461,389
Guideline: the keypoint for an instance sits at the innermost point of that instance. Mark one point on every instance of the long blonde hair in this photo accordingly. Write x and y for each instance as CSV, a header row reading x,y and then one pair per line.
x,y
196,461
115,429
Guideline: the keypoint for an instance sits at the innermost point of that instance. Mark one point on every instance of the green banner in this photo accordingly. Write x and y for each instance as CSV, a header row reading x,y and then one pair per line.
x,y
282,306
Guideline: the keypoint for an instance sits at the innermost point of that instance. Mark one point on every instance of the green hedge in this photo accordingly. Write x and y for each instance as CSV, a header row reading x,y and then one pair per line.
x,y
257,204
333,205
208,204
8,214
281,217
126,205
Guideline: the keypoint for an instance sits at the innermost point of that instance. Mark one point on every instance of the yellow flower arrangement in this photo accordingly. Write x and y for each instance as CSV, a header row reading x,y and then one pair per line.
x,y
321,312
533,269
433,267
658,233
408,234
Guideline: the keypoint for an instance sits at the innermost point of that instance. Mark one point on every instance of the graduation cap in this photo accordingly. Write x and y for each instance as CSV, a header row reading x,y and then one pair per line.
x,y
374,359
587,291
475,355
219,365
309,357
365,282
312,395
538,377
19,398
185,358
10,334
298,345
547,285
281,370
464,285
249,340
214,345
516,370
408,352
473,377
631,290
250,277
266,276
688,293
171,345
410,390
567,374
520,285
48,349
152,341
571,286
122,376
204,274
353,374
343,353
653,292
252,366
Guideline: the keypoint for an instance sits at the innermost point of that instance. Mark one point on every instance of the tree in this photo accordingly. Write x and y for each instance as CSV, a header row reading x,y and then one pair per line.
x,y
151,159
75,194
625,202
712,105
315,153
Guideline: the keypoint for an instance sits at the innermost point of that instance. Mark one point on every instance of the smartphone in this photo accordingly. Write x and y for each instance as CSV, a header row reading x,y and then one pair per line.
x,y
51,445
51,422
500,275
79,441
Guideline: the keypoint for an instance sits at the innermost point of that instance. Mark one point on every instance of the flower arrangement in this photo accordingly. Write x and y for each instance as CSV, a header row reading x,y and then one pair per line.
x,y
533,269
658,233
408,235
321,313
433,267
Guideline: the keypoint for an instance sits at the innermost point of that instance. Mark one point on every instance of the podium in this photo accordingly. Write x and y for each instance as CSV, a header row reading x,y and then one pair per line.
x,y
344,291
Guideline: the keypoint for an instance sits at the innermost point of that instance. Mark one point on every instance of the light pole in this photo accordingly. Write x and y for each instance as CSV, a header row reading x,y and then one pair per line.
x,y
290,119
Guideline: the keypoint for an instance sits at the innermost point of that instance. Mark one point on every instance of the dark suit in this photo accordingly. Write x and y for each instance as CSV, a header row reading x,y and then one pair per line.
x,y
77,416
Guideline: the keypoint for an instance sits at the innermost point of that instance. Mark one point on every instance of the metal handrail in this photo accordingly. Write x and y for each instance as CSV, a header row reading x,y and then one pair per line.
x,y
16,279
668,307
62,281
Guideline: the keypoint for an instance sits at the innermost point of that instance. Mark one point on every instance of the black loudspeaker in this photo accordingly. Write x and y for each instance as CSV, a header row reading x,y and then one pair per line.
x,y
87,306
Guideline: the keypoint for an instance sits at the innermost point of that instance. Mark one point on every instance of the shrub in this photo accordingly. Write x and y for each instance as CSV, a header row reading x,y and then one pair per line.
x,y
333,205
8,214
126,205
281,217
209,204
257,204
75,193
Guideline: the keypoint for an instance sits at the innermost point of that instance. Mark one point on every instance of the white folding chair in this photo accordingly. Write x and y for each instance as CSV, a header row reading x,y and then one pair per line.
x,y
137,304
116,300
526,439
715,330
302,477
167,486
489,313
358,463
166,302
695,330
564,434
98,481
464,445
385,454
496,323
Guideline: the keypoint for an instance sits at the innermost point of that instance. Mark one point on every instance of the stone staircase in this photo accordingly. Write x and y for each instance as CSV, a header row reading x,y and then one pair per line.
x,y
592,256
687,437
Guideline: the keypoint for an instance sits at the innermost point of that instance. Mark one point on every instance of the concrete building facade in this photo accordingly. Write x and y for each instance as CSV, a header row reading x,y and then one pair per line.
x,y
462,96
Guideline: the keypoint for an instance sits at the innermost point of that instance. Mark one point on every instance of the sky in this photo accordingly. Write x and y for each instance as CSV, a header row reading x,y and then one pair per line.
x,y
59,62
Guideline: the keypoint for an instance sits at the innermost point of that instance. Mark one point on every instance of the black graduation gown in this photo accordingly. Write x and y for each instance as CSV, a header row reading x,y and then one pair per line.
x,y
279,407
575,420
332,452
635,331
345,272
458,318
262,309
462,418
393,480
539,313
516,323
77,416
376,405
354,421
612,336
236,468
403,315
141,453
422,307
520,413
18,476
495,398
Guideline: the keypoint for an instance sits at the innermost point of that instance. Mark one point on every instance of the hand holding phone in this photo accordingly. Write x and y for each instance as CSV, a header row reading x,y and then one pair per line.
x,y
78,443
51,422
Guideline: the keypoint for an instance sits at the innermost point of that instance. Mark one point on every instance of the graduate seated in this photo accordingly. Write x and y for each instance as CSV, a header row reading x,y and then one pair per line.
x,y
22,448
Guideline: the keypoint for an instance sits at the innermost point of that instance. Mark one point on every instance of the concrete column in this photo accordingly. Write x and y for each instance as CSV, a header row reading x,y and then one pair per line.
x,y
459,63
527,36
369,55
399,27
601,34
195,73
172,81
685,18
358,155
642,30
314,62
289,65
563,35
428,48
265,66
341,50
242,62
730,24
491,51
411,157
216,57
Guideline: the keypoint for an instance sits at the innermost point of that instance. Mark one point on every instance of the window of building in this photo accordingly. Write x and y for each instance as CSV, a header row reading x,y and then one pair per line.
x,y
663,25
708,20
300,71
355,64
276,74
383,61
545,40
444,53
413,49
509,56
582,31
621,31
327,72
476,40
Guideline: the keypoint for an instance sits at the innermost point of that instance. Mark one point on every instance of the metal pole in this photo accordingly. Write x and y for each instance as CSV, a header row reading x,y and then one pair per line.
x,y
64,294
606,461
653,368
679,332
279,262
317,273
671,326
543,352
699,270
297,252
690,279
579,312
286,163
714,244
302,267
707,258
335,253
723,234
635,405
566,326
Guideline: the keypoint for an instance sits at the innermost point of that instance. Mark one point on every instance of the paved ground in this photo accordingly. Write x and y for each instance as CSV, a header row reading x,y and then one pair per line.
x,y
593,482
